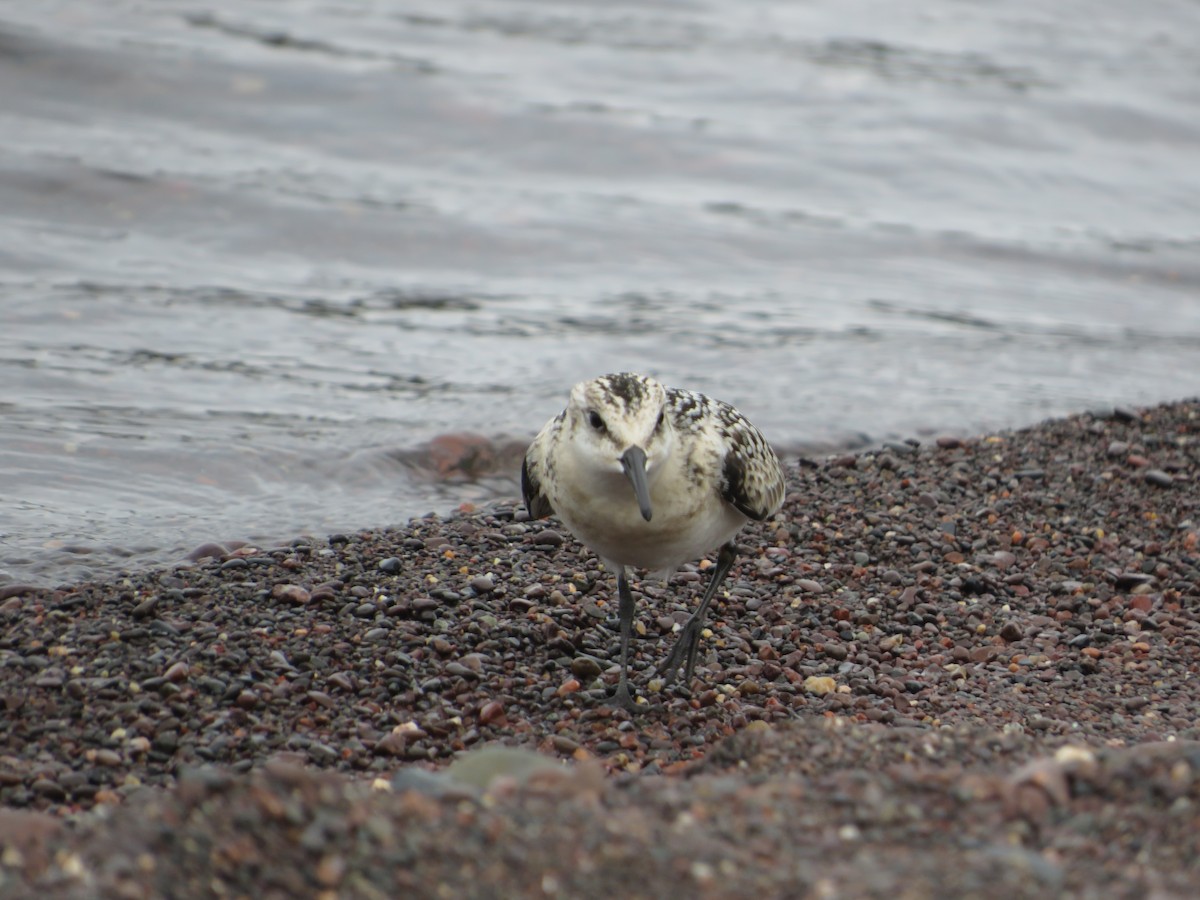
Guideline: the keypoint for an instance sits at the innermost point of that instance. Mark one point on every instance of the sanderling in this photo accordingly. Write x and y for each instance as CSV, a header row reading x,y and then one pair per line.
x,y
699,472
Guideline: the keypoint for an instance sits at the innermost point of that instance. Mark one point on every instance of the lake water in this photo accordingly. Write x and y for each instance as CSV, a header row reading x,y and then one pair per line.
x,y
256,256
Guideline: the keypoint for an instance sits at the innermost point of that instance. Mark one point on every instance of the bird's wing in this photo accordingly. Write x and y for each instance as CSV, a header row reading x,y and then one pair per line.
x,y
753,484
536,500
751,477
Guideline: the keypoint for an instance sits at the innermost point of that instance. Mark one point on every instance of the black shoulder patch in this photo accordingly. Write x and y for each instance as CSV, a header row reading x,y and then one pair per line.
x,y
735,491
535,501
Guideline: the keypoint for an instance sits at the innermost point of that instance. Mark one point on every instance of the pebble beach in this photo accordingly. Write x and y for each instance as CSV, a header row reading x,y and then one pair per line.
x,y
953,667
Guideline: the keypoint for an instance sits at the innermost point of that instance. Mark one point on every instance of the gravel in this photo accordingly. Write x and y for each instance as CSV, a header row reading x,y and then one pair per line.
x,y
956,668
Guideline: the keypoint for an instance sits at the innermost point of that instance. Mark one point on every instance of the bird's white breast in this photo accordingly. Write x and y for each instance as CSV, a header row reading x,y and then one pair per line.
x,y
690,518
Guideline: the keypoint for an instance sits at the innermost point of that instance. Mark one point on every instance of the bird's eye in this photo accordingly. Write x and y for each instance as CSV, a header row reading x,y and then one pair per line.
x,y
658,424
595,421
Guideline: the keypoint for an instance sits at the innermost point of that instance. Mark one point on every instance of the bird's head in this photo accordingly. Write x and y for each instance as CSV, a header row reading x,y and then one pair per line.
x,y
621,425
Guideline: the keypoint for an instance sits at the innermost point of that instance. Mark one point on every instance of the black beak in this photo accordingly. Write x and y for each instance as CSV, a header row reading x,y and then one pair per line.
x,y
633,461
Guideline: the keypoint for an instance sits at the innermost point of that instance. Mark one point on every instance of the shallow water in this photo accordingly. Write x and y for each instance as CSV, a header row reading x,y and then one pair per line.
x,y
254,257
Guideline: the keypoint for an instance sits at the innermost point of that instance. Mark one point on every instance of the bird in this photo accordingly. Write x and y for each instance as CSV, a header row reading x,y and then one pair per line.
x,y
651,477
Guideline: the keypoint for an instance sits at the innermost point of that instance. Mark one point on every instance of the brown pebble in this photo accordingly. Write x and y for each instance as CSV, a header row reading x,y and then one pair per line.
x,y
629,741
341,680
1002,559
462,455
1011,632
393,743
330,870
473,661
105,757
49,788
593,609
205,551
177,672
146,607
585,667
17,590
293,593
321,698
564,744
767,653
492,711
819,685
1142,601
891,642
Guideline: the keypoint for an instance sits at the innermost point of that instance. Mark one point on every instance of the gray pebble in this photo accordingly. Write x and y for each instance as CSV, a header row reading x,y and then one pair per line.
x,y
548,538
1159,478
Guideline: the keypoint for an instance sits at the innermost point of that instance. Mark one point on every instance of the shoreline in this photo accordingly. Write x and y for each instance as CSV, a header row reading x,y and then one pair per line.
x,y
469,470
929,645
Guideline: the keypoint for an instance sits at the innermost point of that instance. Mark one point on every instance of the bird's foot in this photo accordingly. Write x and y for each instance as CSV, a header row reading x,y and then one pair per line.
x,y
683,654
623,698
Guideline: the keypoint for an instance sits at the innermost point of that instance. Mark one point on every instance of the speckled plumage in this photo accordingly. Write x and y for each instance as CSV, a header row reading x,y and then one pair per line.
x,y
707,472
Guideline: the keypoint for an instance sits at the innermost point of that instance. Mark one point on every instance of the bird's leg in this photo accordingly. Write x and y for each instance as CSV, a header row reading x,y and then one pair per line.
x,y
625,612
688,642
